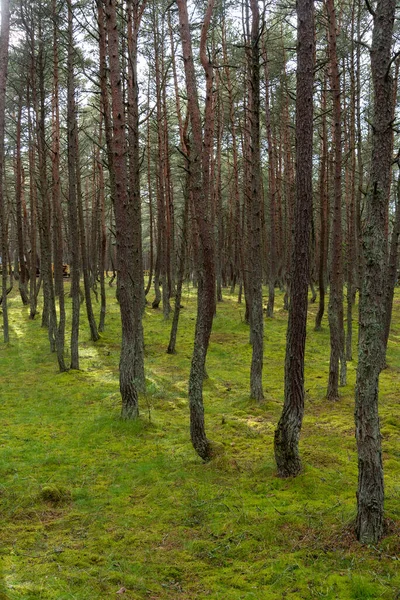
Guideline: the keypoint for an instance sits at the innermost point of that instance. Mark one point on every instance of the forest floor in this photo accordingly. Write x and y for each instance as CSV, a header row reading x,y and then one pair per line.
x,y
93,507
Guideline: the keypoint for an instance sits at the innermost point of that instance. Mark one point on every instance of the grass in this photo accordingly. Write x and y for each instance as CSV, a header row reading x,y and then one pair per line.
x,y
94,507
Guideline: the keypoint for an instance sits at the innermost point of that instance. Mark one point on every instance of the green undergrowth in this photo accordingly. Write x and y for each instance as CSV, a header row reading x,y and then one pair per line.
x,y
94,507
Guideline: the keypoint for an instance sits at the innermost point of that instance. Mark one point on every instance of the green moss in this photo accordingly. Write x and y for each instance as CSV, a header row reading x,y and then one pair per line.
x,y
92,503
54,494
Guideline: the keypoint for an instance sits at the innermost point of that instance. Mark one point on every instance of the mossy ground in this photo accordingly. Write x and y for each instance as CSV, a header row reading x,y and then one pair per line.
x,y
93,507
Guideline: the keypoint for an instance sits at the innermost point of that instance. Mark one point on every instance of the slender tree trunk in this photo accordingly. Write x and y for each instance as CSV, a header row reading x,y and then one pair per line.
x,y
126,259
181,273
370,495
391,272
289,185
217,178
33,287
56,203
72,197
49,316
161,260
236,246
272,260
288,431
323,211
150,195
136,10
335,309
351,194
103,242
206,271
255,266
94,334
4,40
23,271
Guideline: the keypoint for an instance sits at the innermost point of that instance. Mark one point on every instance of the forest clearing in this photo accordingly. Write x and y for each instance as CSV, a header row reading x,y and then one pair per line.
x,y
92,504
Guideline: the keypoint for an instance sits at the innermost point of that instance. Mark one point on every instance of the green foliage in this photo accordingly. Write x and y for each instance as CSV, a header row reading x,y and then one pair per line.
x,y
92,505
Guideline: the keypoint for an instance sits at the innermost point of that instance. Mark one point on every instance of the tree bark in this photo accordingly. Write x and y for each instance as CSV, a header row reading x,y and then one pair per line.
x,y
135,11
335,309
272,260
255,266
323,212
288,431
4,40
56,202
72,197
370,495
22,270
391,272
206,269
127,274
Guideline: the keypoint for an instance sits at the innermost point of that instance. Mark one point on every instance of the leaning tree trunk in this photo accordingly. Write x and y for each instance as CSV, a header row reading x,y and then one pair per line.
x,y
370,495
206,269
288,431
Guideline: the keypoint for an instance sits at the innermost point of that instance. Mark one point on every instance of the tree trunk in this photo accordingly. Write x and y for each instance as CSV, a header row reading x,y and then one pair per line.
x,y
288,431
72,197
4,39
56,203
181,273
323,211
124,231
370,495
335,309
94,334
135,12
391,272
206,270
255,266
22,271
102,232
271,191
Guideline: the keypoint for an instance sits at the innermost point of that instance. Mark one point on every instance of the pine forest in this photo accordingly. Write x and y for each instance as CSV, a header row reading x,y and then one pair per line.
x,y
199,302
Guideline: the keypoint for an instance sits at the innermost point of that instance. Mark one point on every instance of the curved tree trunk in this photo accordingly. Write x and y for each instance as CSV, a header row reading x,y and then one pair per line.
x,y
206,269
